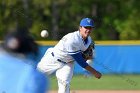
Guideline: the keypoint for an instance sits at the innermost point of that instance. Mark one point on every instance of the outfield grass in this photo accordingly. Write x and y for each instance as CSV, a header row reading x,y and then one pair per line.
x,y
107,82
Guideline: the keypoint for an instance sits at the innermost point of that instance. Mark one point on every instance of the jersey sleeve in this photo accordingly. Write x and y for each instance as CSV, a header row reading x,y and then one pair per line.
x,y
79,59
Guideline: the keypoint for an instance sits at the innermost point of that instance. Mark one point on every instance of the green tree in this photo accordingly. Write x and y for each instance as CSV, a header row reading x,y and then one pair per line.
x,y
114,19
129,28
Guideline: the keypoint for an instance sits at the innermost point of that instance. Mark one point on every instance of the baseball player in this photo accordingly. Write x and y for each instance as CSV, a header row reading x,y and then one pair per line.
x,y
70,48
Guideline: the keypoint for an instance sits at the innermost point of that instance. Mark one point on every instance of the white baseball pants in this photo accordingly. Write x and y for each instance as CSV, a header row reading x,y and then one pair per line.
x,y
64,72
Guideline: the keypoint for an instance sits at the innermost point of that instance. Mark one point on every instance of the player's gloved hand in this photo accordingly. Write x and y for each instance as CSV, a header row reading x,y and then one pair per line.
x,y
88,54
98,74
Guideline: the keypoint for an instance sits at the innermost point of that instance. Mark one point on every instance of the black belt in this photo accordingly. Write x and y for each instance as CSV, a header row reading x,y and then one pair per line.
x,y
59,59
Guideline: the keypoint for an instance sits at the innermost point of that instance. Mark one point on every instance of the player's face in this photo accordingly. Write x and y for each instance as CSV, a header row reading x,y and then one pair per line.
x,y
85,31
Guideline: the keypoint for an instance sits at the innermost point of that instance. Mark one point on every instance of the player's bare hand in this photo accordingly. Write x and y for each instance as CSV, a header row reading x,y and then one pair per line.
x,y
98,75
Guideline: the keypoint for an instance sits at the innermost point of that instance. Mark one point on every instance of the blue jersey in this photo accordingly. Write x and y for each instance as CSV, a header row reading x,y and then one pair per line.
x,y
17,76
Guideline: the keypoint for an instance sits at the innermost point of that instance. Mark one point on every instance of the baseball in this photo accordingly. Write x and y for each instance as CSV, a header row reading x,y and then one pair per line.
x,y
44,33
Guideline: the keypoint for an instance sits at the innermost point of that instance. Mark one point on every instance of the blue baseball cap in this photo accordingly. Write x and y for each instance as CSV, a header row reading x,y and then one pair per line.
x,y
87,22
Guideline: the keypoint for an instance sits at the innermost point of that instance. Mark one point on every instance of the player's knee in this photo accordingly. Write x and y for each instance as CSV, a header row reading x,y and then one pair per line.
x,y
40,68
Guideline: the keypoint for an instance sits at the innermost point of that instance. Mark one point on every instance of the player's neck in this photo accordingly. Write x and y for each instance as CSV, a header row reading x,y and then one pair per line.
x,y
83,37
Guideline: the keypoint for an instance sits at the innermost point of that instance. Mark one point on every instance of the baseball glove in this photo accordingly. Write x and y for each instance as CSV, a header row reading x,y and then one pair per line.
x,y
88,54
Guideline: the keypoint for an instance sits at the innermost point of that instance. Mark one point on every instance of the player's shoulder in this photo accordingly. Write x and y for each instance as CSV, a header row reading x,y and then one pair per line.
x,y
73,36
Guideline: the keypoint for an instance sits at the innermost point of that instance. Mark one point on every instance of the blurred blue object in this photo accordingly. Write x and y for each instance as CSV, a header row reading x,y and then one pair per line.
x,y
17,71
17,75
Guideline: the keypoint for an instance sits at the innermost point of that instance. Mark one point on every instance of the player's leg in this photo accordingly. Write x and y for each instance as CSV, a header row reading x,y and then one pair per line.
x,y
64,76
48,64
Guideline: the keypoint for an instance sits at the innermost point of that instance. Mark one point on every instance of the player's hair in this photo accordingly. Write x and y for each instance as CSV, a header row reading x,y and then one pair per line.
x,y
20,42
79,28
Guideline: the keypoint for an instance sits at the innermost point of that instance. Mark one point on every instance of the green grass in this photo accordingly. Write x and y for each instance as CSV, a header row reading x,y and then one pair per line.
x,y
107,82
